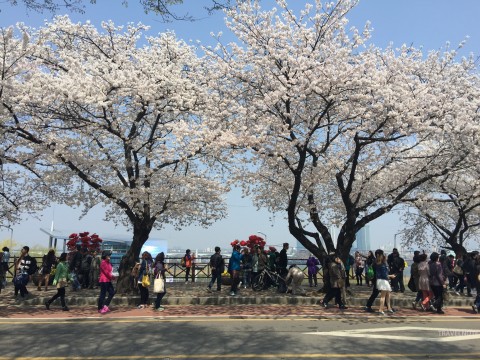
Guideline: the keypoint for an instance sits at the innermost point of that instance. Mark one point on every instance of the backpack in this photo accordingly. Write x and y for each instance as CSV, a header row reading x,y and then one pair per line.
x,y
135,270
32,269
182,261
370,272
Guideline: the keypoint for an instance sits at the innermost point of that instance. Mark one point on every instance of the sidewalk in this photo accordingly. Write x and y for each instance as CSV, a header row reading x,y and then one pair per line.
x,y
180,293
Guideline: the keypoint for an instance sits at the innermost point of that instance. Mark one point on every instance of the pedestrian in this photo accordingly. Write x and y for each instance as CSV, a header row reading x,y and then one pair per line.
x,y
62,276
469,270
144,270
415,276
48,262
459,273
396,267
259,262
337,281
25,267
246,268
234,268
437,281
74,267
272,259
369,261
375,291
105,281
85,268
159,272
295,277
283,261
476,304
94,270
217,265
359,266
424,282
4,266
383,285
187,261
312,266
348,265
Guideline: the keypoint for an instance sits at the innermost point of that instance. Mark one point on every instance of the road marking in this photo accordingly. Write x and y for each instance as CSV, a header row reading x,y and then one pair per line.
x,y
443,335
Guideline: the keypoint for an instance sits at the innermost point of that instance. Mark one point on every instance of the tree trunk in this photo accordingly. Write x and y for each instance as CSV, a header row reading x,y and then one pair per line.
x,y
141,233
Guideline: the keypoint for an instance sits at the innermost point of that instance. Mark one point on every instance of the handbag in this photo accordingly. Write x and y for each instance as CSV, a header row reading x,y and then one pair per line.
x,y
457,270
61,283
411,284
145,280
159,285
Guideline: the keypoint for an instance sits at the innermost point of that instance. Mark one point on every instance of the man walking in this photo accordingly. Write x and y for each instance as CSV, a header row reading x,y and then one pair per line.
x,y
217,264
283,261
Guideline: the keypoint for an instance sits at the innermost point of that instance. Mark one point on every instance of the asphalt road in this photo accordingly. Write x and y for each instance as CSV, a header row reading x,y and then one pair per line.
x,y
348,337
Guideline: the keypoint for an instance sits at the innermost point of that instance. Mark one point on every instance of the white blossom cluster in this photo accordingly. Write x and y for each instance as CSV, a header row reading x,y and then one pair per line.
x,y
304,114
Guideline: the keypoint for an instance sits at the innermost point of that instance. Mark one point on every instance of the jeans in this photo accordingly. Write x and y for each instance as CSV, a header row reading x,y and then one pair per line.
x,y
104,288
216,276
143,294
438,292
235,280
397,282
247,277
60,294
334,292
373,296
187,273
312,278
159,298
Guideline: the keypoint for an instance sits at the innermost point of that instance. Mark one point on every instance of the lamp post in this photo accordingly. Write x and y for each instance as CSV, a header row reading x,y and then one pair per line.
x,y
265,235
11,235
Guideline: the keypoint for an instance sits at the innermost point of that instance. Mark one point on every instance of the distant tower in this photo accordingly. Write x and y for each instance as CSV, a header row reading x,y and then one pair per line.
x,y
362,242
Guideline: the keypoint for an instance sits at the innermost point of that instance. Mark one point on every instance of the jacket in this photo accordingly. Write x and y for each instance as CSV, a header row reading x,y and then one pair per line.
x,y
436,274
424,276
105,272
61,272
235,259
312,263
337,275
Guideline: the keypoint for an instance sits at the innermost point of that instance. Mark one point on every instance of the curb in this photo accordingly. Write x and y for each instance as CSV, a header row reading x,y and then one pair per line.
x,y
234,300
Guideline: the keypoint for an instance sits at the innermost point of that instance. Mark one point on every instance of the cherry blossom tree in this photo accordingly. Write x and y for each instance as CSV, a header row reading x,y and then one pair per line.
x,y
131,123
335,132
446,212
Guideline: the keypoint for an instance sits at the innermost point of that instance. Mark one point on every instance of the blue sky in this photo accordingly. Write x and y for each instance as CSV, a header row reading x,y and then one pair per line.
x,y
423,23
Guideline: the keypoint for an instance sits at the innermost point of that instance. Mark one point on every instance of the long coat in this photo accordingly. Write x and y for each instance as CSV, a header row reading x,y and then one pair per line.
x,y
423,276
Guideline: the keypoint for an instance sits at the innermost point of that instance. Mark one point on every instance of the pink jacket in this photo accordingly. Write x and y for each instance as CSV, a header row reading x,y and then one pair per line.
x,y
105,272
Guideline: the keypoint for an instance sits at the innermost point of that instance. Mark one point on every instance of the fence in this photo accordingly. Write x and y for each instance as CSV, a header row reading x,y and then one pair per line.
x,y
200,271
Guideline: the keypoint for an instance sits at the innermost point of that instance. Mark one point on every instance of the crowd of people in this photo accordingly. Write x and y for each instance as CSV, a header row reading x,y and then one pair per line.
x,y
433,276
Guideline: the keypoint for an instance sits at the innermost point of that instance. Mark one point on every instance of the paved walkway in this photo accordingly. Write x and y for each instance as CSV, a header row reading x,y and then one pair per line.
x,y
185,300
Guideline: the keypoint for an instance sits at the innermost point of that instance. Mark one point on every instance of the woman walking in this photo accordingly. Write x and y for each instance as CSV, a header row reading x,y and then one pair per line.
x,y
437,281
62,276
105,281
159,272
381,270
424,282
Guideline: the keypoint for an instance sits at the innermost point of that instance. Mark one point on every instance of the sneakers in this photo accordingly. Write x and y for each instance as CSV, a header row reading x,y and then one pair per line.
x,y
160,308
324,304
368,309
107,309
475,309
104,310
424,308
343,307
414,305
209,289
65,308
391,311
381,313
232,293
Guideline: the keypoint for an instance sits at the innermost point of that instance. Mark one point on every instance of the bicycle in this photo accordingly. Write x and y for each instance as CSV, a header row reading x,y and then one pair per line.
x,y
267,277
